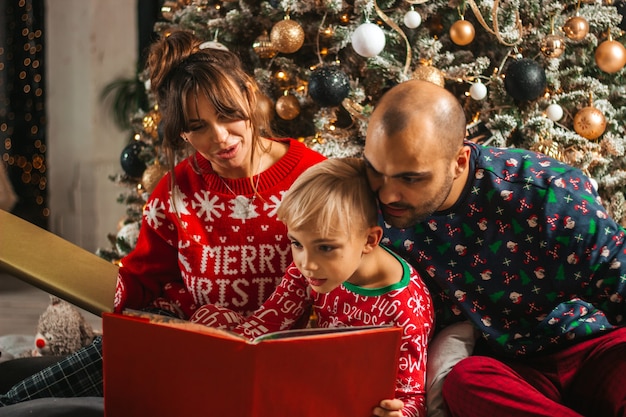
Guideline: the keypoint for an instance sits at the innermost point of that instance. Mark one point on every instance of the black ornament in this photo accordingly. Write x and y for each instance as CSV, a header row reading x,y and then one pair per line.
x,y
525,80
131,161
621,9
328,86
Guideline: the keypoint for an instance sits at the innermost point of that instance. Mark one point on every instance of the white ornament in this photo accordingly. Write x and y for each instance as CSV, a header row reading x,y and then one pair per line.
x,y
213,45
554,112
594,183
127,234
412,19
368,40
478,91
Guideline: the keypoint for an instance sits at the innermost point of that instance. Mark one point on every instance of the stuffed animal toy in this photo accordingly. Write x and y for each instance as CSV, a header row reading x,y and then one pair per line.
x,y
5,355
62,330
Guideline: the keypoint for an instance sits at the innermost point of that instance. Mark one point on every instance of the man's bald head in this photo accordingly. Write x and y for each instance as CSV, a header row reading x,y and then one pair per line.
x,y
418,102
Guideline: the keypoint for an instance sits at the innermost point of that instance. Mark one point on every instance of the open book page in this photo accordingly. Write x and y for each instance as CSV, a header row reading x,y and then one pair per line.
x,y
282,334
314,331
163,320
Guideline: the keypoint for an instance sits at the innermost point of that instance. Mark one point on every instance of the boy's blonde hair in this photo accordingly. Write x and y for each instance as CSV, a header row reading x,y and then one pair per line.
x,y
331,196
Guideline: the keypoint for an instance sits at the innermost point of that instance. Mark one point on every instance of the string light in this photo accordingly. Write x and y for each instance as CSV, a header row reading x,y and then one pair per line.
x,y
23,132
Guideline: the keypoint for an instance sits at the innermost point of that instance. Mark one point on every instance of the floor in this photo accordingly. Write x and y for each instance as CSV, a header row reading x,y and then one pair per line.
x,y
21,304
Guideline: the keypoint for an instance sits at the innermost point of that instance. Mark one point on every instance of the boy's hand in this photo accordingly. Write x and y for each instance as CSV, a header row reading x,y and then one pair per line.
x,y
389,408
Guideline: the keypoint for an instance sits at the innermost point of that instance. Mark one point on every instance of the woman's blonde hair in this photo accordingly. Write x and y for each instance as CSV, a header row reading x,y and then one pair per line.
x,y
331,196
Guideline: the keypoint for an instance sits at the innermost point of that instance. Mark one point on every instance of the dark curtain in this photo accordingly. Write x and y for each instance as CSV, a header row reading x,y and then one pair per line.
x,y
22,106
148,12
22,98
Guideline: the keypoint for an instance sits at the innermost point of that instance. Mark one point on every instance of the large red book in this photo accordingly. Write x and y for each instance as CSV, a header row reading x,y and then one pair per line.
x,y
170,368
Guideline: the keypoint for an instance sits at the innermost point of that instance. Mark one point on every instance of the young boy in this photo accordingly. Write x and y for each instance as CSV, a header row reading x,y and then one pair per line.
x,y
340,270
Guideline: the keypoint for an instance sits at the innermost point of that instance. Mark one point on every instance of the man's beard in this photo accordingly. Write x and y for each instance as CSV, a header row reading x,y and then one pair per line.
x,y
411,219
416,215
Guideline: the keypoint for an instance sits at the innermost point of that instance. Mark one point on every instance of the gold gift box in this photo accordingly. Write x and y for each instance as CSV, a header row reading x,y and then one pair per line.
x,y
55,265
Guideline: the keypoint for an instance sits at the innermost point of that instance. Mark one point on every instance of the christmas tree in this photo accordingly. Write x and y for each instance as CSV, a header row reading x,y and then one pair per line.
x,y
535,74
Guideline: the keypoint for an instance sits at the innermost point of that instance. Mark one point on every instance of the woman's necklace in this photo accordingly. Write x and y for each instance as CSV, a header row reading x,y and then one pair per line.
x,y
243,207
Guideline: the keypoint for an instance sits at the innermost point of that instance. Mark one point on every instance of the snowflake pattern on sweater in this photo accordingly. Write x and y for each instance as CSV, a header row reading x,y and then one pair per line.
x,y
406,304
224,247
528,254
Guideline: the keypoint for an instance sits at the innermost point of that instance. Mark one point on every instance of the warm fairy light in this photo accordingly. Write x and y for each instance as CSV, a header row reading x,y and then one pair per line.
x,y
23,147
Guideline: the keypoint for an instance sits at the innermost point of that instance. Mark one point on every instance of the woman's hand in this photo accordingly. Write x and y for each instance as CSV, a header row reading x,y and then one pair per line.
x,y
389,408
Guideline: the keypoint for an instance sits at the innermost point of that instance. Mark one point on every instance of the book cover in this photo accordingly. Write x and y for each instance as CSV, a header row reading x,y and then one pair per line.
x,y
163,367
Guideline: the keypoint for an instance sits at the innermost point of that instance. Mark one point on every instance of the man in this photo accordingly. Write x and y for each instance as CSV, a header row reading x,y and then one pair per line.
x,y
517,243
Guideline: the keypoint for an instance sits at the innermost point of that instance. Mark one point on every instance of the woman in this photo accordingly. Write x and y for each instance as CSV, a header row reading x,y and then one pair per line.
x,y
211,234
209,231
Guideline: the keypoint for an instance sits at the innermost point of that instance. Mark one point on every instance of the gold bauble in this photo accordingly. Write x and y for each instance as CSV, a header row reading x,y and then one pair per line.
x,y
287,36
287,107
265,106
151,123
169,9
549,148
553,46
263,47
462,32
151,177
429,73
610,56
576,28
589,123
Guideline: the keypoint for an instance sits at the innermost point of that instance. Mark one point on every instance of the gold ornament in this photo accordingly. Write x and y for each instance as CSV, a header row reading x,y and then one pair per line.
x,y
549,148
610,56
151,176
462,32
287,36
287,107
589,123
263,47
265,106
151,123
168,9
553,46
429,73
576,28
355,109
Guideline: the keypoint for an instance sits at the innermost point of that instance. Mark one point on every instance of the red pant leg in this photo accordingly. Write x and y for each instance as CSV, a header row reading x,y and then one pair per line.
x,y
599,386
480,386
589,377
